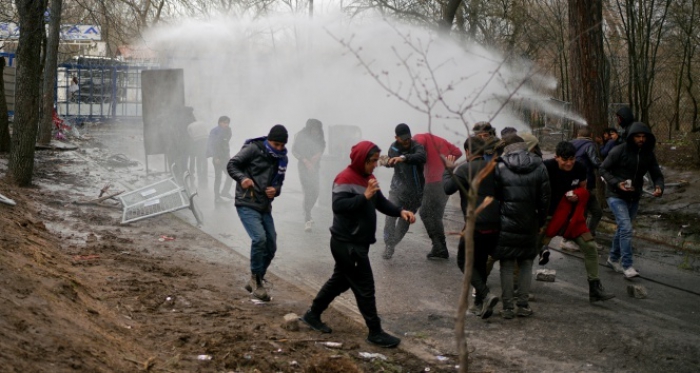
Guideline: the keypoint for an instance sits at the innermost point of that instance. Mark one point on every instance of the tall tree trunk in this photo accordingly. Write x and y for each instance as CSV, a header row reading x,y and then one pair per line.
x,y
50,62
587,62
4,122
448,15
28,103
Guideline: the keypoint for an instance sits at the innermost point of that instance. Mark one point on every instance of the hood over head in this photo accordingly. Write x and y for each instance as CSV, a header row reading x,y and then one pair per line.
x,y
519,160
355,172
627,116
639,127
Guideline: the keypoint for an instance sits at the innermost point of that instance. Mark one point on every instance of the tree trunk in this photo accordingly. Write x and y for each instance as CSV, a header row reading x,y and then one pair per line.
x,y
587,63
448,15
28,103
4,122
51,60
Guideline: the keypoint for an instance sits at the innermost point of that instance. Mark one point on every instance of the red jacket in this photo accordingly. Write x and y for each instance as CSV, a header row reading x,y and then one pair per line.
x,y
435,147
576,226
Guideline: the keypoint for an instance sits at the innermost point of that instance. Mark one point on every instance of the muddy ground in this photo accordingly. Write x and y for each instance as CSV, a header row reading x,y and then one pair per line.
x,y
83,293
80,293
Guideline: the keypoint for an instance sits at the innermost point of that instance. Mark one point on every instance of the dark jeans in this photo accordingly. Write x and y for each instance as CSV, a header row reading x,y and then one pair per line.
x,y
431,212
396,228
261,229
484,244
309,184
594,211
352,271
219,170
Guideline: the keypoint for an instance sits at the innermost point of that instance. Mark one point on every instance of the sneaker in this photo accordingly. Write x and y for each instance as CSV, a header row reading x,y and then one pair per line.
x,y
218,200
250,285
544,256
489,303
508,313
226,195
388,252
615,265
435,254
475,309
308,226
569,245
259,290
315,323
630,272
383,339
524,312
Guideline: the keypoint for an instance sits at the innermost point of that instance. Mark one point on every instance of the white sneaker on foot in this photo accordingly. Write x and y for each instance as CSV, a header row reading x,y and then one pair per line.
x,y
569,245
630,272
616,266
308,226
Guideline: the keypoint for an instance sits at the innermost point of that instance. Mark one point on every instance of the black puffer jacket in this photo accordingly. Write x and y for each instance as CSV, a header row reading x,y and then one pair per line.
x,y
630,162
254,161
408,177
522,187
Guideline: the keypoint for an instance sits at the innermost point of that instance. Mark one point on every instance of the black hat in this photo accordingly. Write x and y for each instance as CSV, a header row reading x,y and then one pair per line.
x,y
403,132
278,133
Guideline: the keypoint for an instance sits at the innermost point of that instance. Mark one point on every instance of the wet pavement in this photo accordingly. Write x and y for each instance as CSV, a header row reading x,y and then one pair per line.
x,y
417,298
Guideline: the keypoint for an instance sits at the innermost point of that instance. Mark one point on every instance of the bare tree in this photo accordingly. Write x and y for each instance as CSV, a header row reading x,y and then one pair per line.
x,y
28,103
50,63
644,23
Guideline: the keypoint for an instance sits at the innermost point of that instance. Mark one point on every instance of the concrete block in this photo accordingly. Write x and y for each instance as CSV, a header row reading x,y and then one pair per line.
x,y
547,275
637,291
291,322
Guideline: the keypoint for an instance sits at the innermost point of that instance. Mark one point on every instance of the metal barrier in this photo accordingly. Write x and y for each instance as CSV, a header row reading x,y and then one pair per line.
x,y
159,198
102,90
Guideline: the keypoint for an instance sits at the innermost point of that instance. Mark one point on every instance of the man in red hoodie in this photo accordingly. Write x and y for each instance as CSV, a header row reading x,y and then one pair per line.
x,y
434,197
356,198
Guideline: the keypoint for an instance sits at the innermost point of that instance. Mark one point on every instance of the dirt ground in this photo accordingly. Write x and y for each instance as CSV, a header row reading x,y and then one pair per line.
x,y
80,293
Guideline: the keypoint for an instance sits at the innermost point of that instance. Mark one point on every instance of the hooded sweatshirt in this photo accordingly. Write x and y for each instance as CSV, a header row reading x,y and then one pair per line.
x,y
630,162
354,216
309,141
522,187
627,118
435,147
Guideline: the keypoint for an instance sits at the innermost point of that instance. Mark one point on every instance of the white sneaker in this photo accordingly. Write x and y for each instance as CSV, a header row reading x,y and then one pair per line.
x,y
630,272
308,226
616,266
569,245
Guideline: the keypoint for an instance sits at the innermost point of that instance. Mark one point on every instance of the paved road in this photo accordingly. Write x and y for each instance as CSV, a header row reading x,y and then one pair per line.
x,y
417,298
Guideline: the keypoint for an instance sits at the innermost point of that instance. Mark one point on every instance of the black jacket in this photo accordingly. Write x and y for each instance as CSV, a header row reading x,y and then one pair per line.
x,y
408,179
354,216
630,162
522,187
458,181
627,118
587,154
253,161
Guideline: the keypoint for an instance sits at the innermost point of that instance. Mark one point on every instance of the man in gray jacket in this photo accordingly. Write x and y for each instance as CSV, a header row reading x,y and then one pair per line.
x,y
259,169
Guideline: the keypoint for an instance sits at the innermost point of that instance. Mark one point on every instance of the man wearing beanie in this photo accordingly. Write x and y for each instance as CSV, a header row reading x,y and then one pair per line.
x,y
259,169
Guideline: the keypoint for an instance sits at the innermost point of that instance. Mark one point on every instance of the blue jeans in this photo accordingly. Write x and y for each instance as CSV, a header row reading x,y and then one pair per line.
x,y
261,229
624,213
